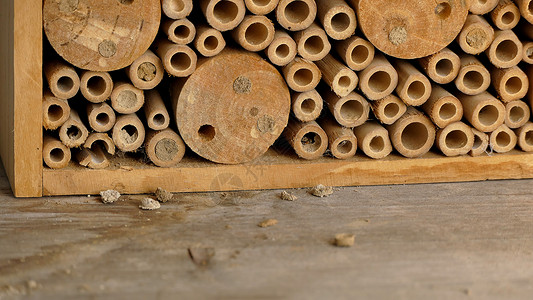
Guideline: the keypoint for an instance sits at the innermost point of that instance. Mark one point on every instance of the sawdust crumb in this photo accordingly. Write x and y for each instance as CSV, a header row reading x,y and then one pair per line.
x,y
321,191
32,284
344,240
163,195
268,223
109,196
126,168
149,204
288,196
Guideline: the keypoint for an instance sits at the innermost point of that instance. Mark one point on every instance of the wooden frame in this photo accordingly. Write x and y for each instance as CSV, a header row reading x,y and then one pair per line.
x,y
21,144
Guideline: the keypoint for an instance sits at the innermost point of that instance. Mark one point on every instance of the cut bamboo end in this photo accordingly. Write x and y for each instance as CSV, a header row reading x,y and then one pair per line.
x,y
373,139
473,77
389,109
413,134
503,139
342,141
178,60
307,106
505,15
56,111
126,98
55,154
101,139
62,79
128,133
526,9
527,53
155,111
481,7
341,79
177,9
483,111
180,31
223,15
414,88
146,72
455,139
510,84
164,148
350,111
476,35
101,117
481,143
379,79
356,52
517,114
313,43
296,15
209,41
96,87
73,133
443,108
255,33
525,137
302,75
506,49
442,67
282,50
308,139
261,7
94,158
337,17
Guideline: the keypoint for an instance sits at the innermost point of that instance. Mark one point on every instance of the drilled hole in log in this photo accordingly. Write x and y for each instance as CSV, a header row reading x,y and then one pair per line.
x,y
416,90
351,110
503,139
506,50
308,106
473,80
513,85
340,22
377,144
345,147
444,67
414,136
456,139
488,115
57,155
282,51
303,77
314,45
297,11
55,112
96,85
360,54
256,33
517,114
225,11
311,142
379,81
207,132
180,61
447,111
443,10
65,84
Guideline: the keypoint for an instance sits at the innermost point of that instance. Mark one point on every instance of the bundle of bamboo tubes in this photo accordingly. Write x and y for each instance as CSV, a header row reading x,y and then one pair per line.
x,y
226,79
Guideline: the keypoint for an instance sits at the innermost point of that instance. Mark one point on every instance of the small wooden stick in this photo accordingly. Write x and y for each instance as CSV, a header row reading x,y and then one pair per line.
x,y
177,9
56,111
414,88
296,15
261,7
517,114
337,17
164,148
356,52
527,52
302,75
312,42
473,77
481,143
308,139
55,154
503,139
209,41
373,140
100,138
146,72
525,9
413,134
180,31
476,35
255,33
525,137
62,79
96,87
510,84
483,111
442,67
455,139
442,107
126,98
389,109
506,15
506,49
101,116
342,141
157,117
307,106
336,75
379,79
223,15
73,132
94,158
128,133
350,111
481,7
178,60
282,50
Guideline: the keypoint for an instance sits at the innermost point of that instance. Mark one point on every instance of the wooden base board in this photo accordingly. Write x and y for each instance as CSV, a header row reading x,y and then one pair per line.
x,y
277,171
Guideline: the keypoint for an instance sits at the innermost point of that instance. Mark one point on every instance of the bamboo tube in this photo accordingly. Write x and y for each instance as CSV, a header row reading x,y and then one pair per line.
x,y
128,133
146,72
476,35
481,143
473,77
73,133
379,79
96,87
255,33
56,111
209,41
442,67
356,52
223,15
155,111
164,148
309,140
342,141
414,88
525,137
506,49
483,111
62,79
517,114
389,109
307,106
506,15
126,99
413,134
101,139
481,7
94,158
337,17
312,42
350,111
373,139
510,84
296,15
527,52
525,7
55,154
302,75
177,9
455,139
336,75
282,50
180,31
178,60
503,139
443,108
101,116
529,96
261,7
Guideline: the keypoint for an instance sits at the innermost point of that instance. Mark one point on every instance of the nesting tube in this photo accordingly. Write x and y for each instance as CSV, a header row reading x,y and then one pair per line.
x,y
342,141
337,17
302,75
442,67
177,9
503,139
505,15
128,133
455,139
261,7
178,60
126,98
296,15
389,109
527,52
476,35
481,7
62,79
414,88
510,84
73,132
155,111
209,41
373,139
341,79
56,111
506,49
223,15
525,137
379,79
413,134
443,108
525,7
308,139
94,158
146,72
255,33
481,143
55,154
282,50
101,139
312,43
473,77
101,116
307,106
180,31
164,148
350,111
96,87
483,111
356,52
517,114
